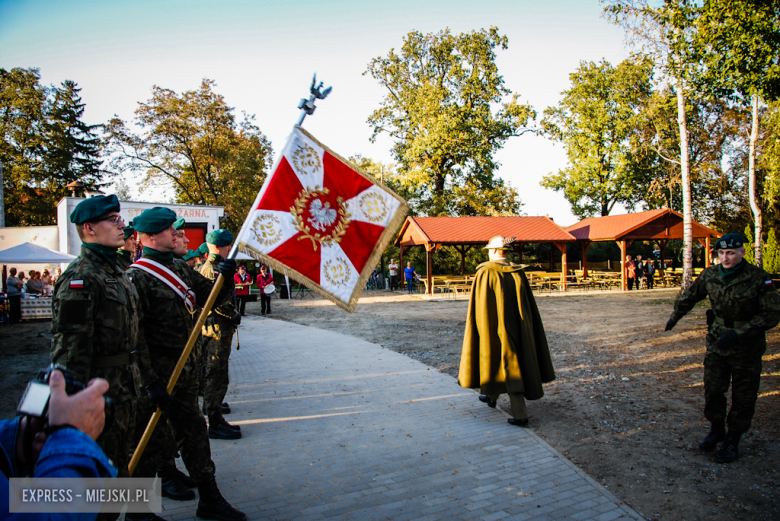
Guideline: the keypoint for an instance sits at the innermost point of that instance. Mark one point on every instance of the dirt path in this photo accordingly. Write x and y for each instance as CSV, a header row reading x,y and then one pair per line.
x,y
626,406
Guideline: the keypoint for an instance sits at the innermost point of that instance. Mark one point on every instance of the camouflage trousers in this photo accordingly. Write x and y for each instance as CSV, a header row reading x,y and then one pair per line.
x,y
117,442
744,376
188,431
217,379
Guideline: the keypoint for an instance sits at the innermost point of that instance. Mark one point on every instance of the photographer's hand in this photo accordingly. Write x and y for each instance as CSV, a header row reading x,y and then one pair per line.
x,y
83,410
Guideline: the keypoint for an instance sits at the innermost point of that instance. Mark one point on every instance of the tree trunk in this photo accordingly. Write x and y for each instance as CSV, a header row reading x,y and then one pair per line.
x,y
687,277
757,216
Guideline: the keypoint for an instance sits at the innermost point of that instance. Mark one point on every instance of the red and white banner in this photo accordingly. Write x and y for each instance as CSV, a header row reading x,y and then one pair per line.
x,y
321,220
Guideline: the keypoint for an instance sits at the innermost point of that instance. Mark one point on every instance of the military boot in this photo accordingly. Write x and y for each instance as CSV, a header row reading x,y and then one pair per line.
x,y
716,435
729,451
219,429
172,487
213,506
148,516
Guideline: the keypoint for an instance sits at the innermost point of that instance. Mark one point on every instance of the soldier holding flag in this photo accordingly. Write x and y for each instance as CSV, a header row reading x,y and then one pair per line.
x,y
169,293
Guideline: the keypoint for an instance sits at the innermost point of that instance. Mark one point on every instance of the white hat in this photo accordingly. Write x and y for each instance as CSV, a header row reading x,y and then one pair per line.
x,y
499,243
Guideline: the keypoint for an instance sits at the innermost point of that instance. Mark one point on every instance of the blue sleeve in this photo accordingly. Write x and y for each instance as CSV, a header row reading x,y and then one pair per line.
x,y
71,453
66,453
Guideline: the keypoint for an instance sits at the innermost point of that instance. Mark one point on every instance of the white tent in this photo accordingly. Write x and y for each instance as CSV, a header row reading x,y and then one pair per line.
x,y
29,253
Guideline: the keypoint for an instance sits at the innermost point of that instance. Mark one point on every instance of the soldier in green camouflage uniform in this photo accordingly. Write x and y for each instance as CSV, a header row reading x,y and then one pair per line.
x,y
95,321
745,304
217,343
126,252
165,326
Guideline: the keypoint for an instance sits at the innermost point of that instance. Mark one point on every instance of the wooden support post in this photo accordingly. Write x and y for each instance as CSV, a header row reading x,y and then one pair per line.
x,y
429,268
402,265
708,257
518,247
463,251
585,246
562,246
623,280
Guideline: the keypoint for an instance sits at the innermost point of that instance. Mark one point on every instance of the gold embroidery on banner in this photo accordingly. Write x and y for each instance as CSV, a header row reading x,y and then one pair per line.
x,y
267,229
373,207
306,160
309,208
336,273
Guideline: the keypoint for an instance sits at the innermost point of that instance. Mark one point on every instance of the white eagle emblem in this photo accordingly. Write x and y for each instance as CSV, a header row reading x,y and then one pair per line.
x,y
322,216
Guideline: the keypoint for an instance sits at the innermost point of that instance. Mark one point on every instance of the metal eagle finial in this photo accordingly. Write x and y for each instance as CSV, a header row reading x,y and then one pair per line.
x,y
307,105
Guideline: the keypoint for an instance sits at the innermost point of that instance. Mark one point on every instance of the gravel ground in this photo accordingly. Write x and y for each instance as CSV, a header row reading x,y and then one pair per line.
x,y
627,403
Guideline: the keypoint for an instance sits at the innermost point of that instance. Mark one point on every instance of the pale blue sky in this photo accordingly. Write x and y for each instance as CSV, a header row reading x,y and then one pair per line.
x,y
262,55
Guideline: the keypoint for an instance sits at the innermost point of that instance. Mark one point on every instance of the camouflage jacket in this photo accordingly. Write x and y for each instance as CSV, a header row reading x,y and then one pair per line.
x,y
750,300
94,317
123,261
222,314
165,324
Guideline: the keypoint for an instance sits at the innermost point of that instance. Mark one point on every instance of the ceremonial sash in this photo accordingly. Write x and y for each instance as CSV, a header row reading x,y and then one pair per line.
x,y
170,278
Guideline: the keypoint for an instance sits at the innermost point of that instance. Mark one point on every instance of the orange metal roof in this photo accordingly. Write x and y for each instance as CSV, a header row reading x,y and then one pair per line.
x,y
654,224
479,230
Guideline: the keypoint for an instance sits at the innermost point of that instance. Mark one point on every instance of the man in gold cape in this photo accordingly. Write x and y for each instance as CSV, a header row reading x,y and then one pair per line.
x,y
504,346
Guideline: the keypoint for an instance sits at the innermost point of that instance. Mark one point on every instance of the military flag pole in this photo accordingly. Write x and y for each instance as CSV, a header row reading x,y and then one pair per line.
x,y
307,108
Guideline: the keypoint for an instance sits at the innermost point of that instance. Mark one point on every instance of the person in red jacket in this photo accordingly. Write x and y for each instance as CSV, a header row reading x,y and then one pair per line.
x,y
263,280
243,281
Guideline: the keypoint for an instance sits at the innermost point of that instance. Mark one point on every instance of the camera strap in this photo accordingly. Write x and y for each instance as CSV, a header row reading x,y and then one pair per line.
x,y
27,447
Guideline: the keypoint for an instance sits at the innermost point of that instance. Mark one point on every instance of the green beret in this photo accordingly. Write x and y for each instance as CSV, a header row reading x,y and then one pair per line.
x,y
179,224
191,254
220,238
93,208
154,220
129,232
729,241
203,249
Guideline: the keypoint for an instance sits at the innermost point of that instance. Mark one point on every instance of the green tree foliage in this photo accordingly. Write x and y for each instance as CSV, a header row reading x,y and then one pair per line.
x,y
772,254
45,145
750,254
738,43
714,128
596,121
449,112
193,141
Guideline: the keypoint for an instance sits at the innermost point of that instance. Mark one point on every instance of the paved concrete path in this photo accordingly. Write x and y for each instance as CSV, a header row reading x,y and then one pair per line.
x,y
338,428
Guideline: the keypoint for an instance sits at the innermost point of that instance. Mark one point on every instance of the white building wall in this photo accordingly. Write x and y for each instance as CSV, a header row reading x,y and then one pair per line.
x,y
69,239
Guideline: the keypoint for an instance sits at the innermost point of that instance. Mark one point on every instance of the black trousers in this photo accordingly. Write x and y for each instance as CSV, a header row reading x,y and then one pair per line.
x,y
241,302
393,282
15,308
265,303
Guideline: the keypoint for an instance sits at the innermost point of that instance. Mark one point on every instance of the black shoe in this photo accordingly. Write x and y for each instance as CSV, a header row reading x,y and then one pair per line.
x,y
486,399
149,516
213,506
716,435
518,423
225,408
172,487
729,451
219,429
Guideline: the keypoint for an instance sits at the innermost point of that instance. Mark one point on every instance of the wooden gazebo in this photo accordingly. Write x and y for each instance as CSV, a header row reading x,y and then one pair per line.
x,y
655,225
463,233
